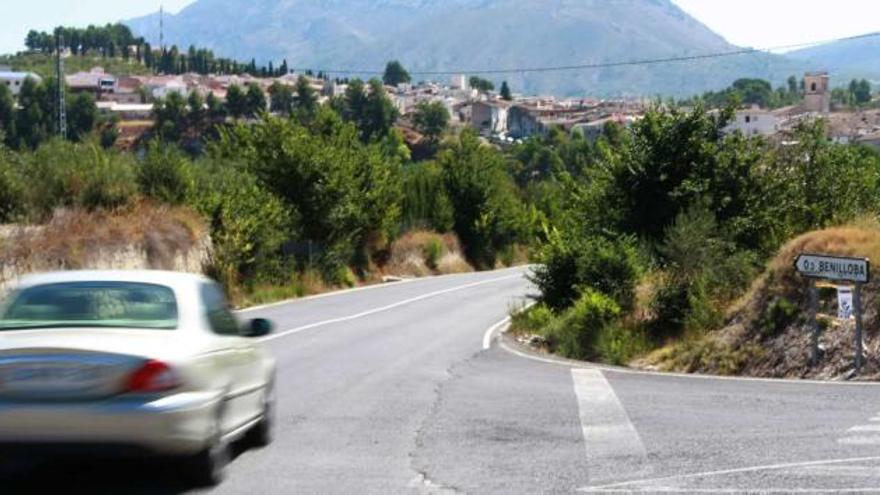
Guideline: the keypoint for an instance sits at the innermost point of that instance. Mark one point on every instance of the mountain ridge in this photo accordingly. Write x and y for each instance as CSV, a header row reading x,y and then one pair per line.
x,y
430,35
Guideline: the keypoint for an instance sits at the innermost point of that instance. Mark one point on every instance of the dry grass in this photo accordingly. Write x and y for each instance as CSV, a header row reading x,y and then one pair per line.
x,y
144,236
411,256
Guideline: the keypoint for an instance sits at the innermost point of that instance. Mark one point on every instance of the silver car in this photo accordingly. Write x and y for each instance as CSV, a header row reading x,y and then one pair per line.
x,y
149,361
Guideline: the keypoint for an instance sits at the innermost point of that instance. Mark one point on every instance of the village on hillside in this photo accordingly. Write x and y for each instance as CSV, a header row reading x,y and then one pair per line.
x,y
128,100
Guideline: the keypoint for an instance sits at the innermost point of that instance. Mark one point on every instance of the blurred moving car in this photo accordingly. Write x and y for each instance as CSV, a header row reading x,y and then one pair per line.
x,y
147,362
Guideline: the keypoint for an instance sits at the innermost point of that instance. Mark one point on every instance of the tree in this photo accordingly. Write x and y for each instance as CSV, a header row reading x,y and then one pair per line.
x,y
82,115
862,92
7,115
431,119
216,109
281,98
196,114
256,100
306,99
793,86
481,85
236,102
488,215
395,74
505,92
32,122
171,117
380,112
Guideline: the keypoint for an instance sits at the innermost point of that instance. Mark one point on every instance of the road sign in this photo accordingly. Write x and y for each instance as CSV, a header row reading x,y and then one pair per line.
x,y
856,270
844,303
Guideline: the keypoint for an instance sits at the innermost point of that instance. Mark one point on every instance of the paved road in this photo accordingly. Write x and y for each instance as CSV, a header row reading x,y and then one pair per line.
x,y
390,390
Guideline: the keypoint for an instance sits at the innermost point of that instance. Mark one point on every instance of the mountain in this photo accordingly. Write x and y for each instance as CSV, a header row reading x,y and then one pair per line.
x,y
847,59
428,35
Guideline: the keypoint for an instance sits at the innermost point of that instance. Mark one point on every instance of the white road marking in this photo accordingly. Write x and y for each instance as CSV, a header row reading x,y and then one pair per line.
x,y
669,374
861,428
613,446
487,337
384,285
633,485
385,308
502,326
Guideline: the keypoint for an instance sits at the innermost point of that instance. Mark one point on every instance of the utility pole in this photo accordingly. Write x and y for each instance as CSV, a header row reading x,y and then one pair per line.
x,y
59,76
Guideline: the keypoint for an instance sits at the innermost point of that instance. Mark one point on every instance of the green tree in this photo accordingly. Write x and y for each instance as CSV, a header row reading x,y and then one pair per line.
x,y
481,85
165,174
170,114
196,113
488,214
431,119
306,100
255,100
32,122
82,114
379,112
236,102
216,110
395,74
505,92
7,116
281,97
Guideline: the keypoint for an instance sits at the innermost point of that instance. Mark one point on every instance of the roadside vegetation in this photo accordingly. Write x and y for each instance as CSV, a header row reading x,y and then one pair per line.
x,y
653,233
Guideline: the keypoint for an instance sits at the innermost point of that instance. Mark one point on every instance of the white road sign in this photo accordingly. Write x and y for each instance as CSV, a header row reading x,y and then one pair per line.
x,y
844,303
834,267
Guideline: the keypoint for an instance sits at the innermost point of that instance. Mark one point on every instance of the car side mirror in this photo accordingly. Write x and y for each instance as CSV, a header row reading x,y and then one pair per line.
x,y
258,327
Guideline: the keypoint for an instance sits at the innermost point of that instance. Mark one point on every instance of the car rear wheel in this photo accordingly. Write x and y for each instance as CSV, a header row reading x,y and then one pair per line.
x,y
262,433
208,466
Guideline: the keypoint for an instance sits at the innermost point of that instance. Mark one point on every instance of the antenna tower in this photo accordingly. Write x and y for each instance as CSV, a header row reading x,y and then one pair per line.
x,y
59,76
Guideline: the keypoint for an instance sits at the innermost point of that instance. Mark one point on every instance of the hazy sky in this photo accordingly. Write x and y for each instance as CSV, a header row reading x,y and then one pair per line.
x,y
755,23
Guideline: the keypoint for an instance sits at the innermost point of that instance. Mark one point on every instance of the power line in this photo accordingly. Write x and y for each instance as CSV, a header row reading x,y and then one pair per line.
x,y
601,65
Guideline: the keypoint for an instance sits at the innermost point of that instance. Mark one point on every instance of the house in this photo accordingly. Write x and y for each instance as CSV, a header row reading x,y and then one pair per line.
x,y
96,81
754,121
14,80
162,86
490,116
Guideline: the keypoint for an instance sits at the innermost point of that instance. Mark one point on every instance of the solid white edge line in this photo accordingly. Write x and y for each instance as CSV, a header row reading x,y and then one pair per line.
x,y
722,472
383,285
503,325
669,374
385,308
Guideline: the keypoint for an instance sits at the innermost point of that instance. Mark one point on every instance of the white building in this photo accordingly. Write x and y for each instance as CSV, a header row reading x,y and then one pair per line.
x,y
754,122
14,80
460,81
490,116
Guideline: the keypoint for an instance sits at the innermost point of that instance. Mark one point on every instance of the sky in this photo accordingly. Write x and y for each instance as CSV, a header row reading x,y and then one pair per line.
x,y
752,23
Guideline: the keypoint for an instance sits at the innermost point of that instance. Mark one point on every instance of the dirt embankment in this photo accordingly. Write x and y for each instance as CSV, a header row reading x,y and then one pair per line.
x,y
768,332
422,253
145,237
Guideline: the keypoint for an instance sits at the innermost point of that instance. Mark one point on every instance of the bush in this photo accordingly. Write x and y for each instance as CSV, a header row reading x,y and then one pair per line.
x,y
248,224
569,265
576,333
77,175
433,252
778,315
534,320
618,345
165,174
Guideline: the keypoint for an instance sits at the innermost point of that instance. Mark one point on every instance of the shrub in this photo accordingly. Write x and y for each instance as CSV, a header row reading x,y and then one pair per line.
x,y
433,252
248,224
778,315
534,320
618,345
165,174
575,334
569,265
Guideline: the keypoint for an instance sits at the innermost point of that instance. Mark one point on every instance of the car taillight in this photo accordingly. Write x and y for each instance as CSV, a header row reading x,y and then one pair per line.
x,y
153,376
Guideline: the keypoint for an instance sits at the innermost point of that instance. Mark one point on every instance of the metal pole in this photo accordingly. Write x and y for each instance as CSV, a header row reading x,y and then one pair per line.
x,y
814,322
857,307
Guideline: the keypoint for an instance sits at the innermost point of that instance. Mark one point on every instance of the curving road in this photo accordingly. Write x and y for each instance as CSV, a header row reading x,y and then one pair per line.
x,y
390,390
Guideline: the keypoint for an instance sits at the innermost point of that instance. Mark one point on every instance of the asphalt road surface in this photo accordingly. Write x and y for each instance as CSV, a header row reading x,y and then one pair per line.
x,y
391,390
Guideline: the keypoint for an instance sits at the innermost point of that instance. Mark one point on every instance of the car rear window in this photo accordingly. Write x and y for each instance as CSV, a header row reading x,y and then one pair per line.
x,y
91,304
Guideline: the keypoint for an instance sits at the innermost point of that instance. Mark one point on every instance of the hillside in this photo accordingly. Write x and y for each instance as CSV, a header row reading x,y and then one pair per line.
x,y
767,333
847,59
441,34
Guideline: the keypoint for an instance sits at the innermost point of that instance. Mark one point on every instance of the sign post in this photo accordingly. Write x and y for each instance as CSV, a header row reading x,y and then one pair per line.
x,y
838,268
